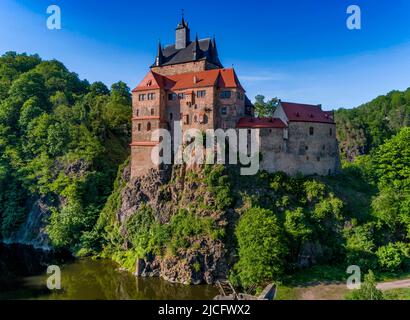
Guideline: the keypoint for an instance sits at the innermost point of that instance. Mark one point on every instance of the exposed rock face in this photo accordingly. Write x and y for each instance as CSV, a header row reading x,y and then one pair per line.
x,y
192,266
32,231
167,191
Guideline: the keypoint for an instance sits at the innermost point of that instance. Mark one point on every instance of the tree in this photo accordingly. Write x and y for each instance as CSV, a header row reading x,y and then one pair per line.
x,y
265,109
368,290
261,247
393,255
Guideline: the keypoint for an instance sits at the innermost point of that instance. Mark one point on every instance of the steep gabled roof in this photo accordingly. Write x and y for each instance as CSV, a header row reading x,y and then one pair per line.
x,y
150,81
306,113
260,123
204,51
222,78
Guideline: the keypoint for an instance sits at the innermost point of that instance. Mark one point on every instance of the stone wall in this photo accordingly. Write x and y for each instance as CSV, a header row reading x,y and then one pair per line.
x,y
302,152
180,68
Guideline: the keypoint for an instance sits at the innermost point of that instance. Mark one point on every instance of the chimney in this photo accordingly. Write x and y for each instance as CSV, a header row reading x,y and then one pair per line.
x,y
320,106
195,79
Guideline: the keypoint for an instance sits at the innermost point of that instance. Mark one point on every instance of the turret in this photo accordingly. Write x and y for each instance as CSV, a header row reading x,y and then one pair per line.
x,y
182,38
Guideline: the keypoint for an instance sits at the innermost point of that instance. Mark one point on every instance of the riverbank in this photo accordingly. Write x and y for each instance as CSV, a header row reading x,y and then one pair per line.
x,y
24,277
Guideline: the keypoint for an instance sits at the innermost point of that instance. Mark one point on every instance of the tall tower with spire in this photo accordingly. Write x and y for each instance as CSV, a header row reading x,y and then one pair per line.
x,y
182,36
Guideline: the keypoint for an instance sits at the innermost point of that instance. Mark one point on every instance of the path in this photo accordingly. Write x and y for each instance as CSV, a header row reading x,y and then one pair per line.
x,y
338,290
394,284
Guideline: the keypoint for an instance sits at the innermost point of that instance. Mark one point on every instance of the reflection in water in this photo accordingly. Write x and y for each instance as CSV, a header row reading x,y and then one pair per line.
x,y
88,279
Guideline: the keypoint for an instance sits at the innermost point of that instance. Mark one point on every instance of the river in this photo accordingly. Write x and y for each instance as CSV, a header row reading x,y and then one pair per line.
x,y
23,276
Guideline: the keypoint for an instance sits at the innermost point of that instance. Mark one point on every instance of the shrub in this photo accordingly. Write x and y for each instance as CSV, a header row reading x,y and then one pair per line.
x,y
367,291
261,248
392,256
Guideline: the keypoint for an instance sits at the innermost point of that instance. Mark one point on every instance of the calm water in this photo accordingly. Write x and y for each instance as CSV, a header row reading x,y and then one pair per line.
x,y
23,276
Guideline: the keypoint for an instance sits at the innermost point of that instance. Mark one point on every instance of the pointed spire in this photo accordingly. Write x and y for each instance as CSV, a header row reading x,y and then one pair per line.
x,y
214,49
196,49
183,23
160,57
182,19
214,53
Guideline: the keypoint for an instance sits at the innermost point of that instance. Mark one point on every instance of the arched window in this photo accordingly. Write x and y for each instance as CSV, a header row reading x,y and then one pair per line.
x,y
311,131
139,126
149,126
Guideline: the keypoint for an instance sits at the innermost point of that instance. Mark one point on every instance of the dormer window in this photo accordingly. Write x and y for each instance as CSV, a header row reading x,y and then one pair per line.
x,y
149,83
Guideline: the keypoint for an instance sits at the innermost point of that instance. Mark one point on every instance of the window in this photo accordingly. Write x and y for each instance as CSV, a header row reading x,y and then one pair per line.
x,y
330,132
225,94
141,97
181,96
224,111
306,148
239,95
151,96
195,118
323,147
171,116
139,126
200,94
172,96
186,119
311,131
149,126
152,112
318,159
138,112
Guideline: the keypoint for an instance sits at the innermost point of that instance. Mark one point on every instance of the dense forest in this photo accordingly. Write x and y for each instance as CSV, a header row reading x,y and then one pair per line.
x,y
64,143
363,128
61,141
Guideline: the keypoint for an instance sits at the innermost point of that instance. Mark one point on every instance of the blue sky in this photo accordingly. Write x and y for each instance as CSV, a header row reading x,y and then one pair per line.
x,y
297,50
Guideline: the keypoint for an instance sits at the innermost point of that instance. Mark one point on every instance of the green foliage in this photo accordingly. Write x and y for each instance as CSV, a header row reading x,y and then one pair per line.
x,y
219,184
296,224
368,290
360,246
393,255
362,129
58,140
261,247
265,109
138,228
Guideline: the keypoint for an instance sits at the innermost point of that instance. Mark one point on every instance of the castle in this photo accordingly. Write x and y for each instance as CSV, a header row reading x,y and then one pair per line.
x,y
188,83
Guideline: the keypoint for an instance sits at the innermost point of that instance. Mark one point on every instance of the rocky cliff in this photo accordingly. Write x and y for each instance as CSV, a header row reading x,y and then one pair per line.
x,y
202,258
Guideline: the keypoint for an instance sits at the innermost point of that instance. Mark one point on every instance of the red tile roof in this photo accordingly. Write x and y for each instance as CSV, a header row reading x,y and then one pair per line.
x,y
223,78
260,123
306,113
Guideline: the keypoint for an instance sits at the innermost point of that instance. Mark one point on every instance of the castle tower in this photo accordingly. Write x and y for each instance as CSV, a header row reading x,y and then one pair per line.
x,y
182,37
